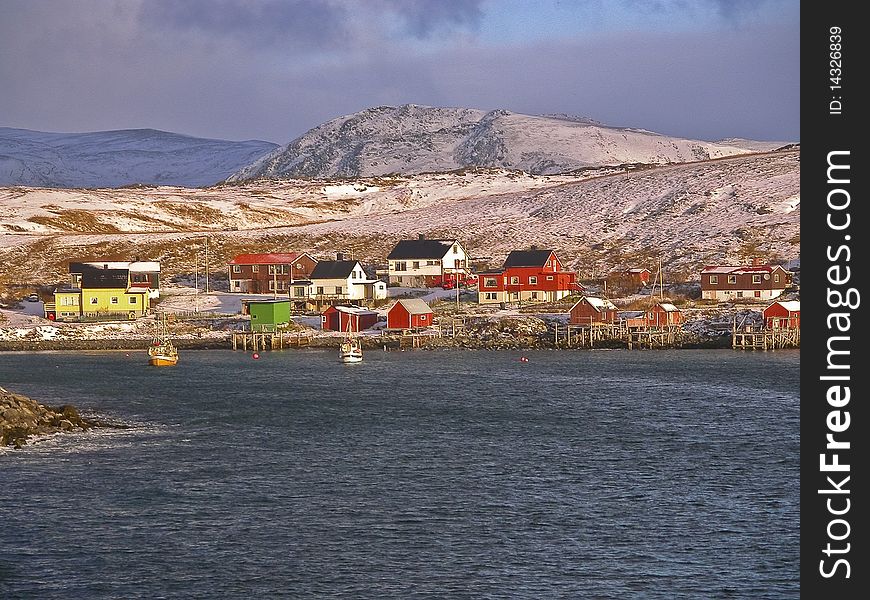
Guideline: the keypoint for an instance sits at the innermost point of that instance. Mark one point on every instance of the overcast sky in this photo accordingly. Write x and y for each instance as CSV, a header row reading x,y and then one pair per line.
x,y
273,69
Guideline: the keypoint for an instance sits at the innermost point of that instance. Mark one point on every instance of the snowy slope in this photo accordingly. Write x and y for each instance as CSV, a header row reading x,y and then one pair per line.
x,y
413,139
109,159
687,215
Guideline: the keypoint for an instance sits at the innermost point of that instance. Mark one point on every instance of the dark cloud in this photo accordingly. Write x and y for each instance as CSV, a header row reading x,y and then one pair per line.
x,y
302,23
272,69
311,24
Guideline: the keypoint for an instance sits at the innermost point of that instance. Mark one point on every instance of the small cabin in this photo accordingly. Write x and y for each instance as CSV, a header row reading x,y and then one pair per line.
x,y
347,318
783,315
592,311
409,314
268,315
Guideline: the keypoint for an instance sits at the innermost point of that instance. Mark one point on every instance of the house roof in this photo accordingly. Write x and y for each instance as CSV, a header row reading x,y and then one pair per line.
x,y
352,310
740,269
138,266
333,269
789,305
271,258
420,249
668,307
598,304
414,306
638,270
104,278
527,258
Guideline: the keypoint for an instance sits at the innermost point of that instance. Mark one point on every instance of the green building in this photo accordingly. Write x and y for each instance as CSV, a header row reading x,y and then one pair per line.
x,y
268,315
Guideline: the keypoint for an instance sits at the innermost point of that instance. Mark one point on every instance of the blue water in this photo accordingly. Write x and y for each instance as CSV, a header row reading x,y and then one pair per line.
x,y
442,474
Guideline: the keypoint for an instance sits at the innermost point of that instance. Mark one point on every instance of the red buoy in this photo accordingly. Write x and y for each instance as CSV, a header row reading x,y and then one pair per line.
x,y
255,356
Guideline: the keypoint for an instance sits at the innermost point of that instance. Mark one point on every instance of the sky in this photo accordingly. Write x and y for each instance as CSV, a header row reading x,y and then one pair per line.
x,y
273,69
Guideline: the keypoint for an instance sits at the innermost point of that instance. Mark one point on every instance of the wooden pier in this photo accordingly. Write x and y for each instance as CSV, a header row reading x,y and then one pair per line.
x,y
749,338
258,341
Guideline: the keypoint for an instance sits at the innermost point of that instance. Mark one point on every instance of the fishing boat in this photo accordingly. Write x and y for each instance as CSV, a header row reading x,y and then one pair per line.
x,y
162,352
350,350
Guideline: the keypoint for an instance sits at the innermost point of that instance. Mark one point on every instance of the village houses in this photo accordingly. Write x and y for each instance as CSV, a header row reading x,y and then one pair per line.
x,y
268,273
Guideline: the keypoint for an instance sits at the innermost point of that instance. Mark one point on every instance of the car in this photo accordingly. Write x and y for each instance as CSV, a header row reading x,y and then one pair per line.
x,y
33,298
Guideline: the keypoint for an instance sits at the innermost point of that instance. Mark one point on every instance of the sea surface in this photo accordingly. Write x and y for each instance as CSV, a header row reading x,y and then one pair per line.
x,y
417,474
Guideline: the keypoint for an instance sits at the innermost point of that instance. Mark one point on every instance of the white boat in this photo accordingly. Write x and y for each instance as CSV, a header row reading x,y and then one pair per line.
x,y
350,350
162,352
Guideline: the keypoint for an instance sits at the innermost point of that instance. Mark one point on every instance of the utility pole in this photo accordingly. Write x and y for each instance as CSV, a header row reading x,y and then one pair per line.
x,y
206,264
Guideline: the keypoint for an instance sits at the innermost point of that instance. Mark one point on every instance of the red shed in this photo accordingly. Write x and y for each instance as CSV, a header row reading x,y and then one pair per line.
x,y
409,314
339,318
589,311
783,315
663,314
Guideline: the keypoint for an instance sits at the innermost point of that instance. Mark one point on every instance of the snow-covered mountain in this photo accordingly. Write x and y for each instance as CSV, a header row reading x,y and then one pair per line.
x,y
110,159
412,139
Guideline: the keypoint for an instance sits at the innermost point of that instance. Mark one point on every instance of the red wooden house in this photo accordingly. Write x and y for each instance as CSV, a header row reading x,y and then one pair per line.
x,y
638,276
409,314
783,315
527,275
592,311
347,318
745,282
269,273
663,314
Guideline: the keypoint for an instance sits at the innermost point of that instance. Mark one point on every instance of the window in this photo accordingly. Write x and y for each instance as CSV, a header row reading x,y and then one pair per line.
x,y
490,295
415,264
739,294
489,282
515,280
549,278
758,293
423,317
714,279
431,262
113,299
94,300
133,300
455,248
237,268
776,277
255,268
236,284
299,291
69,301
533,280
319,290
338,290
271,284
401,265
534,295
732,279
271,269
756,279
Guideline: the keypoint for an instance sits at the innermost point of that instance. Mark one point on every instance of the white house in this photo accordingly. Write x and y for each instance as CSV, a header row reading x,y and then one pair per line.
x,y
427,263
345,281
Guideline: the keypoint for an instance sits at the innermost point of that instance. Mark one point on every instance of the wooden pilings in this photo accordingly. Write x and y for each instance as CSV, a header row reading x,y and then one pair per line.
x,y
258,341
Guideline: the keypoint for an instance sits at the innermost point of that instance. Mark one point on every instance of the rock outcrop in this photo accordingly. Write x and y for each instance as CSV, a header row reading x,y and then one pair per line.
x,y
22,418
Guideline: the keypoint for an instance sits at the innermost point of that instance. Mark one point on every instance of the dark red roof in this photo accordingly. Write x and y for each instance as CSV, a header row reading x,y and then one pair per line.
x,y
273,258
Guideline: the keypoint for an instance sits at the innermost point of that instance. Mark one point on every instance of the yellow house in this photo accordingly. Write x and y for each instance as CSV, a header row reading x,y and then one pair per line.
x,y
103,293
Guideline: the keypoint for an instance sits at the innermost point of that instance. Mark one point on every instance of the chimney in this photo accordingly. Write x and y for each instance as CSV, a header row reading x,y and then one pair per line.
x,y
339,256
420,236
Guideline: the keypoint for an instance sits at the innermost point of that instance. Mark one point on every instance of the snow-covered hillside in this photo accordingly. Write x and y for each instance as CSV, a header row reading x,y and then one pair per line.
x,y
686,215
110,159
414,139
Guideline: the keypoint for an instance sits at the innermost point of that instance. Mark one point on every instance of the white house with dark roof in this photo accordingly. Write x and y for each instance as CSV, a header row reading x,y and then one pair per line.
x,y
334,281
427,263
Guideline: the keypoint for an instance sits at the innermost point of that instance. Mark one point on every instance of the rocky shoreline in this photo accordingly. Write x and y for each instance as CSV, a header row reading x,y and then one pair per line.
x,y
22,418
